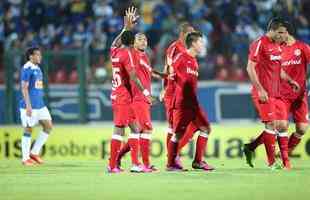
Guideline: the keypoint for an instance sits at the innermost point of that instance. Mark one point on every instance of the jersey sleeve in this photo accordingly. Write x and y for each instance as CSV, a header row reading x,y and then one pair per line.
x,y
169,54
307,53
26,74
255,50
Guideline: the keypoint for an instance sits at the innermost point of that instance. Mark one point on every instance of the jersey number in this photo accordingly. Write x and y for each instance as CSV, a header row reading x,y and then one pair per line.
x,y
116,81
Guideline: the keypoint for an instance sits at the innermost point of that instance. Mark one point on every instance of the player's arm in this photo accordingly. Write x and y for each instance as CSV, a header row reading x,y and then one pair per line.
x,y
255,52
164,84
130,68
136,80
158,74
293,84
263,96
25,92
130,19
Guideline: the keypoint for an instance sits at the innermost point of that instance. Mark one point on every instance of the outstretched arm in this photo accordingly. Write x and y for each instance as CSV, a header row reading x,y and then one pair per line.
x,y
130,19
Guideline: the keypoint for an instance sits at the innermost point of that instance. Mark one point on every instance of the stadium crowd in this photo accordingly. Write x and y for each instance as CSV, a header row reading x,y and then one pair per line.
x,y
228,27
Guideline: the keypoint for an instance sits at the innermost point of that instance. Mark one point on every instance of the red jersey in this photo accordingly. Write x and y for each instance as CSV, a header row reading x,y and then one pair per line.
x,y
122,64
267,56
186,69
295,59
143,71
174,49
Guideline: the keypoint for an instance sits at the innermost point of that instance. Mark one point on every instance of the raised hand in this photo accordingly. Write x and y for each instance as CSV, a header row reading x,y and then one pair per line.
x,y
130,18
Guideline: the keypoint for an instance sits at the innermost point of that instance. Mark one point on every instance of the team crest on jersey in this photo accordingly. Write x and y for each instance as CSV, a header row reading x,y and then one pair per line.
x,y
297,52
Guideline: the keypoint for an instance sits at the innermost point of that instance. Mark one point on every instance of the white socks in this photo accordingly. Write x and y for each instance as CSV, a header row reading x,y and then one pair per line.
x,y
26,144
40,141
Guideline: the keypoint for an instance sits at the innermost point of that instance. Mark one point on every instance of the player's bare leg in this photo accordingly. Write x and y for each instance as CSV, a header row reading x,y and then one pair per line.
x,y
26,144
201,146
295,138
282,127
41,140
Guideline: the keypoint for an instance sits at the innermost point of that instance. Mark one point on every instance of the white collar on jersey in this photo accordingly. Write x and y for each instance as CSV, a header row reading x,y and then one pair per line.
x,y
31,65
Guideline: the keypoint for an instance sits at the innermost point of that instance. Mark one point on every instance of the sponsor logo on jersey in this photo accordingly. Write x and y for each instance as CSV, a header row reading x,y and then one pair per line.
x,y
190,71
291,62
115,59
274,58
297,52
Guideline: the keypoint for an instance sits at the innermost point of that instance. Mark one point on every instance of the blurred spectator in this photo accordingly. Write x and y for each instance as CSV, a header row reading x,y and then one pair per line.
x,y
228,26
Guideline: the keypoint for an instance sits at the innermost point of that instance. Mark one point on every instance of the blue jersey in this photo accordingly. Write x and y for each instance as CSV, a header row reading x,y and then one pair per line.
x,y
32,74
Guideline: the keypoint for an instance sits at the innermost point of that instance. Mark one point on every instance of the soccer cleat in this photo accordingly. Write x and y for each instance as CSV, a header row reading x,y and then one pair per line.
x,y
178,160
150,168
28,162
275,166
176,168
287,166
154,169
115,170
202,165
248,155
36,158
137,169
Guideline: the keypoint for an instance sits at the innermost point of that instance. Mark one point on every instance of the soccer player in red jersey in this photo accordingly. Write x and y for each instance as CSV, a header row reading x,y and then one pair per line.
x,y
174,49
121,96
295,58
142,100
141,103
264,69
186,108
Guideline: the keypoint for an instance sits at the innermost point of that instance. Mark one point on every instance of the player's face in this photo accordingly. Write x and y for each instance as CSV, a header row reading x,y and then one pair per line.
x,y
140,42
36,57
280,35
198,45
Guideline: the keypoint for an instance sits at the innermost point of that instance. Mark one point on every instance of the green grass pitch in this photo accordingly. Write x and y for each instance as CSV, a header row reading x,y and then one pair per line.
x,y
87,179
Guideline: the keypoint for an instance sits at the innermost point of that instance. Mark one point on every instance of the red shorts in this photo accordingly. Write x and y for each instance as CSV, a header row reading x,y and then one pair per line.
x,y
273,109
123,115
183,117
298,108
169,111
142,112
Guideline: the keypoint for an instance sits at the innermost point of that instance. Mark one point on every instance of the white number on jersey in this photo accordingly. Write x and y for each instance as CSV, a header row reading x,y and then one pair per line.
x,y
116,80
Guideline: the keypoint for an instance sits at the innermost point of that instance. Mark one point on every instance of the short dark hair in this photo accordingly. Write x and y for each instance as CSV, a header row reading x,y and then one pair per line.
x,y
127,38
192,37
30,51
276,22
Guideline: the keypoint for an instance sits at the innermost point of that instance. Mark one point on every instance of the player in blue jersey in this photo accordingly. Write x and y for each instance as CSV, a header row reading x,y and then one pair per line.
x,y
32,107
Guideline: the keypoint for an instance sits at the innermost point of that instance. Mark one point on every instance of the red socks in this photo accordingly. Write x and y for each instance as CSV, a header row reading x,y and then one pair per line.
x,y
125,149
115,146
172,151
293,142
258,141
189,133
169,135
145,141
269,138
201,146
283,145
133,141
